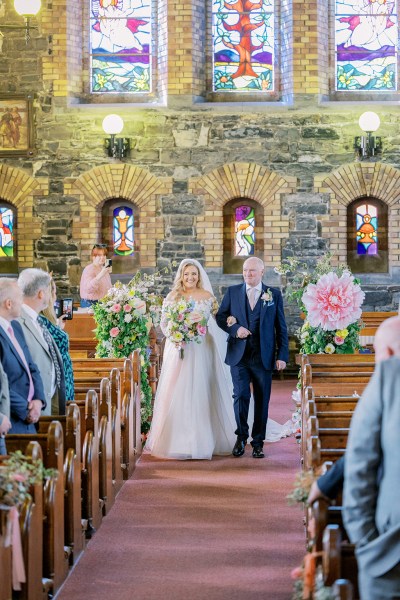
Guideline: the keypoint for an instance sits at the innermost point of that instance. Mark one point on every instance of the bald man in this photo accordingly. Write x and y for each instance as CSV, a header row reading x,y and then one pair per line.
x,y
252,314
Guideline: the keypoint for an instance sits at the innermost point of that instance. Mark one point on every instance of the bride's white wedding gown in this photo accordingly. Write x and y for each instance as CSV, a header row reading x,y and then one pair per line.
x,y
193,415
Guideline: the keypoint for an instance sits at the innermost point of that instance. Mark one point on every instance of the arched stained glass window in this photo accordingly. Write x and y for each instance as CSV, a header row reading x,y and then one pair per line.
x,y
367,229
123,231
366,45
367,236
120,41
245,235
243,45
6,232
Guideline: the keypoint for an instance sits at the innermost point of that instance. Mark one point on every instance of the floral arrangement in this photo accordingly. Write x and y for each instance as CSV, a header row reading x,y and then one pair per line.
x,y
124,318
301,487
17,474
183,324
308,580
331,299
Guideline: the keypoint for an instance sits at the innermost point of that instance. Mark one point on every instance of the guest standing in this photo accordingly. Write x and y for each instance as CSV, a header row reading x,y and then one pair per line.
x,y
27,398
95,280
55,327
5,423
35,286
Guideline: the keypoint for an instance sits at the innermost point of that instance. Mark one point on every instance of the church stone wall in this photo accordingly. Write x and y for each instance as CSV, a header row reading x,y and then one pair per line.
x,y
295,158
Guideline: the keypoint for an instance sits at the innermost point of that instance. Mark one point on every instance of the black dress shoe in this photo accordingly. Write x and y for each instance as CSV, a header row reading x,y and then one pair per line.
x,y
258,452
238,448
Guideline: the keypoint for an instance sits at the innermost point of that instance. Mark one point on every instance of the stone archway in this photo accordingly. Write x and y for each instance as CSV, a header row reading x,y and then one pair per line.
x,y
353,181
129,182
20,189
242,180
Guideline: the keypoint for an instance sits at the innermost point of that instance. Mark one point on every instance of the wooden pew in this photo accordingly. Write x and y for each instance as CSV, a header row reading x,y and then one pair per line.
x,y
73,526
5,558
338,560
106,487
55,558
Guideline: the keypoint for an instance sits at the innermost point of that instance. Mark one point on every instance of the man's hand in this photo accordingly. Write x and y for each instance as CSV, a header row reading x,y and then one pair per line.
x,y
34,408
280,365
315,494
243,333
5,425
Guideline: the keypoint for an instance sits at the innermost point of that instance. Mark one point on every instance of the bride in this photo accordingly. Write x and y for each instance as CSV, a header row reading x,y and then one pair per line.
x,y
193,415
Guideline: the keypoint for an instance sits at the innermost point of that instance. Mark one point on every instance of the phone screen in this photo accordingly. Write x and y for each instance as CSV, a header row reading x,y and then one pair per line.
x,y
67,308
57,308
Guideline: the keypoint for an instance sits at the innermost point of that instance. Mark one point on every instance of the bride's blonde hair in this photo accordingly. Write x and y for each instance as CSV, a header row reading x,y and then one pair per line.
x,y
178,286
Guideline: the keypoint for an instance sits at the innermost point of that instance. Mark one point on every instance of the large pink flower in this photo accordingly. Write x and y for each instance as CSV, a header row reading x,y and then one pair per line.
x,y
333,302
114,332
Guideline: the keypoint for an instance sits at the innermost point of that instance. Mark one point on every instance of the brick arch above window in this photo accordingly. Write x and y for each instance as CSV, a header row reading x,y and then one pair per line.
x,y
126,182
242,180
354,181
19,190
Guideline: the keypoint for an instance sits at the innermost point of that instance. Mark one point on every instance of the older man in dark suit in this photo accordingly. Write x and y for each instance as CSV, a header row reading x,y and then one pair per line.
x,y
252,314
27,397
5,423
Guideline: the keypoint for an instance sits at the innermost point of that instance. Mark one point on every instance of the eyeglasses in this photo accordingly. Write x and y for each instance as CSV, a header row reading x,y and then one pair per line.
x,y
99,246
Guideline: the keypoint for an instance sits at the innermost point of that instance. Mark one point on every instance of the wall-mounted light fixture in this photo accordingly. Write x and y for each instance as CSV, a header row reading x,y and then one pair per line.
x,y
117,147
27,9
368,145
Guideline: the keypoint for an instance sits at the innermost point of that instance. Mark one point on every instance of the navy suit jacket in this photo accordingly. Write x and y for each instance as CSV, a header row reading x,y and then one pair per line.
x,y
18,379
273,331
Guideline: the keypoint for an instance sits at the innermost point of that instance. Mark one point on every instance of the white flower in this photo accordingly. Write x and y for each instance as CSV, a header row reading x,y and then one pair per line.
x,y
128,318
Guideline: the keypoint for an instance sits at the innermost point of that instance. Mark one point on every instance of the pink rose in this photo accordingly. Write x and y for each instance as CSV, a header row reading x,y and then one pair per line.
x,y
114,332
116,308
194,317
339,340
201,329
19,477
127,308
180,317
296,573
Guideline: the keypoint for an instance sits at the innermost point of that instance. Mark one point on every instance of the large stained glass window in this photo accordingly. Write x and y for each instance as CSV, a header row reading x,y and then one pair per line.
x,y
367,229
244,230
243,45
120,37
366,45
123,230
6,232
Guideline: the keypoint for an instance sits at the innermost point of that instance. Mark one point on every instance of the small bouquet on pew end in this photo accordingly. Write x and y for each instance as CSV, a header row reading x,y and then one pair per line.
x,y
301,487
308,580
17,474
183,324
330,298
124,318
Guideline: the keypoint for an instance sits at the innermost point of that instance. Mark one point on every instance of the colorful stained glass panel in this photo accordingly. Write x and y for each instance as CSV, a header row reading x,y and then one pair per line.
x,y
123,230
366,35
367,229
244,230
243,46
120,38
6,232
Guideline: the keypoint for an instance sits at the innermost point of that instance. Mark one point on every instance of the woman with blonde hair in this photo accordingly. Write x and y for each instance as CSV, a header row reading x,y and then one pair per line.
x,y
55,327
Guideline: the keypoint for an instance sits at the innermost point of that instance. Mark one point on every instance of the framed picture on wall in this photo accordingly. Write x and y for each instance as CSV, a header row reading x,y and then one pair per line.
x,y
16,126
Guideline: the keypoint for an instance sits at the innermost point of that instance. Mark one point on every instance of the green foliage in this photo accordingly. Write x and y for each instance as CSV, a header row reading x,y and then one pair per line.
x,y
17,474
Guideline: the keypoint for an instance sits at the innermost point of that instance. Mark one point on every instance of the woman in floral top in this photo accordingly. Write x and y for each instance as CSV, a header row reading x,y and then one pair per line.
x,y
55,327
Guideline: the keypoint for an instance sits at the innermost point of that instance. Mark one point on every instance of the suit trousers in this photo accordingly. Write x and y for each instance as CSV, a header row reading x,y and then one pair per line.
x,y
251,370
2,445
385,587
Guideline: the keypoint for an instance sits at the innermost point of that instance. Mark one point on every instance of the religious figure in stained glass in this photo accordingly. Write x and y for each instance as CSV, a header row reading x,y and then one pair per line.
x,y
244,230
6,232
123,230
367,229
243,40
366,45
120,35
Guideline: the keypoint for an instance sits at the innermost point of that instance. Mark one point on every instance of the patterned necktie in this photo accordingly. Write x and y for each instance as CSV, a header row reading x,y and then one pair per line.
x,y
50,342
21,354
252,297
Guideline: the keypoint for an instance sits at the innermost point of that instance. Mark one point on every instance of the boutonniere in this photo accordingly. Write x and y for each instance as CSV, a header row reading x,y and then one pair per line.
x,y
267,297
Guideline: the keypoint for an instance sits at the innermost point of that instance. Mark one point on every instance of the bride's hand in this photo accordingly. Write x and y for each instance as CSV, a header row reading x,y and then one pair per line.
x,y
231,321
280,365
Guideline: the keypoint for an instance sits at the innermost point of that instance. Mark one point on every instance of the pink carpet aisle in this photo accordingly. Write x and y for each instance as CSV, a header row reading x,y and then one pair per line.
x,y
200,530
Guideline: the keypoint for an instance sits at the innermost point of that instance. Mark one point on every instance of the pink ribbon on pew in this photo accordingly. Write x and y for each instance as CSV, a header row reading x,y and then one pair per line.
x,y
13,538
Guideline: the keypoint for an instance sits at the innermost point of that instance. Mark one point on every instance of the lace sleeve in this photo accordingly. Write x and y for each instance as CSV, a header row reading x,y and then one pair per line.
x,y
214,306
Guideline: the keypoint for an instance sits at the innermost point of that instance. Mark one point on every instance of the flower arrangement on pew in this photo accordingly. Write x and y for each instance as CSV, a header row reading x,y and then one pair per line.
x,y
124,318
331,299
308,580
17,474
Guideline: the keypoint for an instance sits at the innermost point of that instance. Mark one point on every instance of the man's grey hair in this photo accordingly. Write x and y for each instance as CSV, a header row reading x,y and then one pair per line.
x,y
31,281
7,289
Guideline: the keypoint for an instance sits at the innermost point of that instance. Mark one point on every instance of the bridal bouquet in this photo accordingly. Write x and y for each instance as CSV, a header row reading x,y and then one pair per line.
x,y
182,324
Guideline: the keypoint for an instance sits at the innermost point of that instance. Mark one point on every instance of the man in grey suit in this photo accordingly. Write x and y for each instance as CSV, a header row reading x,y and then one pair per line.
x,y
35,286
372,484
